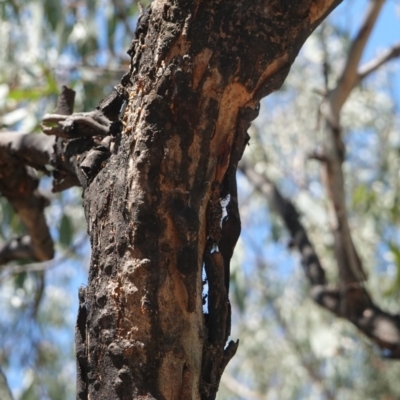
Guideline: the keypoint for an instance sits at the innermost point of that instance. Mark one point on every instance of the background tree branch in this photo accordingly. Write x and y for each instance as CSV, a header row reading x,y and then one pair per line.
x,y
18,184
348,77
381,327
371,66
350,266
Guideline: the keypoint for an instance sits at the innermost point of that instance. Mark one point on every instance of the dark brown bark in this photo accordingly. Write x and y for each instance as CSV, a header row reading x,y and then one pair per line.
x,y
153,207
155,160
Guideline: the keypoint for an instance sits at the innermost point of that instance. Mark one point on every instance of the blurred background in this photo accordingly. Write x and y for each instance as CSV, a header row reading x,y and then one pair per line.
x,y
289,347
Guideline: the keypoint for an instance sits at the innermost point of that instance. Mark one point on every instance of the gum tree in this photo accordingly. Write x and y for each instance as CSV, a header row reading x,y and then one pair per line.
x,y
155,160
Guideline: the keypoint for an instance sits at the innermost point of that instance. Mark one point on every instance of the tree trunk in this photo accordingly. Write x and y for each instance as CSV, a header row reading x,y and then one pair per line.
x,y
198,71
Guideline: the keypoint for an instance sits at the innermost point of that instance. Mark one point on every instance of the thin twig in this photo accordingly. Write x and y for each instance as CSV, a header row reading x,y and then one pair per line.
x,y
373,65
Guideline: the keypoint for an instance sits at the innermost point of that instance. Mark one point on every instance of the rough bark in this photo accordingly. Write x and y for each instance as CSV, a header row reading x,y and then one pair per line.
x,y
154,212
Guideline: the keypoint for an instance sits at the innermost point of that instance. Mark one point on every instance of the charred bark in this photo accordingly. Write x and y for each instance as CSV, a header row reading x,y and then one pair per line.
x,y
153,205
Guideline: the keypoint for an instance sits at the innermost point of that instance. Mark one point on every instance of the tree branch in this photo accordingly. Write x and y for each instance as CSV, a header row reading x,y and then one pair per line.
x,y
353,302
348,78
77,125
73,152
19,185
34,150
349,263
377,62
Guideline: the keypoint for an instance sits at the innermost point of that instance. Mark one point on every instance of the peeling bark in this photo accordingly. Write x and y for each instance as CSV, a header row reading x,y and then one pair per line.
x,y
156,160
153,207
